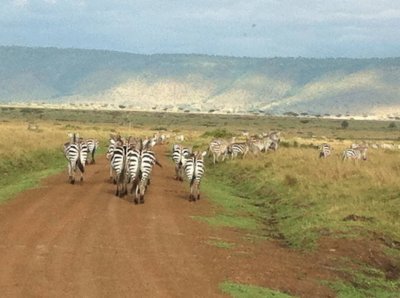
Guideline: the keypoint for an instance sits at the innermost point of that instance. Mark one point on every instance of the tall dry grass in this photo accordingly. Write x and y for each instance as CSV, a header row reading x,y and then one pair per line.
x,y
305,196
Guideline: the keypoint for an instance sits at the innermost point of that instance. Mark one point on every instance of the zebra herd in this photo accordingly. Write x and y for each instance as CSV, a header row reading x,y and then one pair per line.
x,y
221,148
131,159
355,152
131,162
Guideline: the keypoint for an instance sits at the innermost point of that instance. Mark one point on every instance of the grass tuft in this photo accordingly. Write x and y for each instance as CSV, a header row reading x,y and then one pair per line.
x,y
249,291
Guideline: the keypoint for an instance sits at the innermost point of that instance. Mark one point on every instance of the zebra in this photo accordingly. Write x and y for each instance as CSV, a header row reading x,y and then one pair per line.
x,y
325,150
218,148
238,148
75,152
263,144
119,165
355,154
146,163
92,145
178,152
194,169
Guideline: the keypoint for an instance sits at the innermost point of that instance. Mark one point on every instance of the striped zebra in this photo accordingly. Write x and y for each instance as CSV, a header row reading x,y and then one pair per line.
x,y
75,152
324,150
236,149
218,148
194,169
262,144
119,165
92,145
147,161
355,154
178,153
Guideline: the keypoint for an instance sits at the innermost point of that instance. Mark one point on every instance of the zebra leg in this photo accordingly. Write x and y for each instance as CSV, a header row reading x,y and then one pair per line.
x,y
70,173
137,194
176,172
142,189
93,161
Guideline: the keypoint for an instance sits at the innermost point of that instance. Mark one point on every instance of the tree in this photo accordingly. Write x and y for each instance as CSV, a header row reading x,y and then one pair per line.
x,y
345,124
392,125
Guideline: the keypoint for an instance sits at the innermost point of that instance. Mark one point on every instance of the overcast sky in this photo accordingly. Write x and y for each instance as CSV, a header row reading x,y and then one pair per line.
x,y
257,28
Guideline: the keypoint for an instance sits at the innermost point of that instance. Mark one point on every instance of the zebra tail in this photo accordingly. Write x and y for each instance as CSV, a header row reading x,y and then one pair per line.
x,y
157,163
192,181
80,166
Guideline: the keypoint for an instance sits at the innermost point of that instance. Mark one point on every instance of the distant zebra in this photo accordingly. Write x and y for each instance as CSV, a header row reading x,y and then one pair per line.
x,y
236,149
325,150
178,152
218,148
355,154
92,145
75,152
194,169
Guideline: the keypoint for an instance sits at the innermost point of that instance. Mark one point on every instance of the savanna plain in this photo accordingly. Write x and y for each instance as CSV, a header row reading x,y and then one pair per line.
x,y
282,223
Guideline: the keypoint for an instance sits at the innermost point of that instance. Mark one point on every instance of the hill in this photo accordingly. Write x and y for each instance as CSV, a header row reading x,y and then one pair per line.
x,y
200,83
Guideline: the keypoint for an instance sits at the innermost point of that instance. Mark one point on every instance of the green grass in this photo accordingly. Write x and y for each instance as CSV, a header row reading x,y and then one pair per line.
x,y
234,212
26,172
220,244
249,291
365,282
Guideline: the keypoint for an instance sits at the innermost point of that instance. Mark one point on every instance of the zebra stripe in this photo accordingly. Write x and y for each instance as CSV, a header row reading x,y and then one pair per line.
x,y
218,148
178,153
147,161
92,145
236,149
194,169
355,154
76,153
325,150
119,165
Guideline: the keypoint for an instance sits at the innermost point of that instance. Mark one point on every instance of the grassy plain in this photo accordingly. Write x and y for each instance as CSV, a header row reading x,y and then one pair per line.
x,y
290,195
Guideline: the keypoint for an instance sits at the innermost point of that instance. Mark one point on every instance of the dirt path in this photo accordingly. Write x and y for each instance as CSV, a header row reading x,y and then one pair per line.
x,y
63,240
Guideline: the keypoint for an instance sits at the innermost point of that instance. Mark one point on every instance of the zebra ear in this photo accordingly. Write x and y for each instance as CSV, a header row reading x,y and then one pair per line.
x,y
70,134
204,153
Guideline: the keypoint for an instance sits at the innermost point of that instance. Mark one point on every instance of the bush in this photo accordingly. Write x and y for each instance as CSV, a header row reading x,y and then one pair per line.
x,y
218,133
345,124
392,125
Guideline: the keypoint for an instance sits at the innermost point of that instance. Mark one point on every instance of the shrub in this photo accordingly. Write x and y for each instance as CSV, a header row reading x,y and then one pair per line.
x,y
345,124
218,133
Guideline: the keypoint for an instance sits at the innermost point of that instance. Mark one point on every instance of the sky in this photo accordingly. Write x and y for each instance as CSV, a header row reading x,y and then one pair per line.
x,y
254,28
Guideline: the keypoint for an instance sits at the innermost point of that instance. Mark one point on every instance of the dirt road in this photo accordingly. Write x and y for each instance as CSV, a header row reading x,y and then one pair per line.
x,y
63,240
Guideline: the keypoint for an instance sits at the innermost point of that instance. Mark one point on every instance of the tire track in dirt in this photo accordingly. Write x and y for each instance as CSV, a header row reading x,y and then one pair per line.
x,y
63,240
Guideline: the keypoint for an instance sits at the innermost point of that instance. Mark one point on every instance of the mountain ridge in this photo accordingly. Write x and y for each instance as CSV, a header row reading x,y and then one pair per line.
x,y
195,82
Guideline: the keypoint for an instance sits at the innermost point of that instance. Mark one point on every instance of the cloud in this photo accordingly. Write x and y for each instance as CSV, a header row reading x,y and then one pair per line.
x,y
20,3
282,27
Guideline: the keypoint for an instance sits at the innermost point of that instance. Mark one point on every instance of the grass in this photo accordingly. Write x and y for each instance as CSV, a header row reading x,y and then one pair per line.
x,y
27,171
299,197
220,244
234,212
289,195
365,282
249,291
